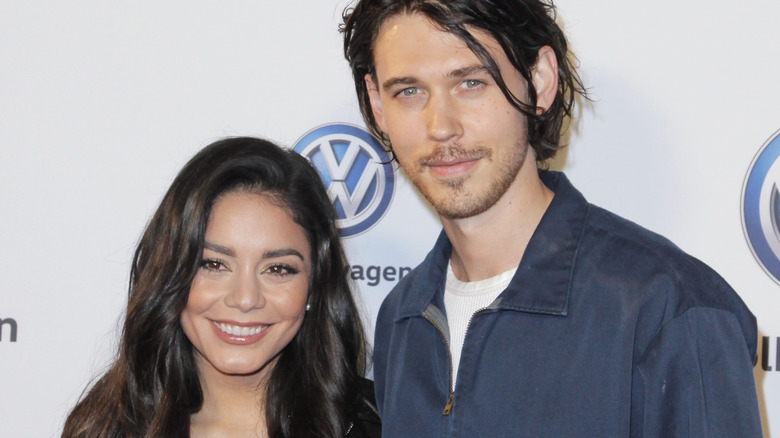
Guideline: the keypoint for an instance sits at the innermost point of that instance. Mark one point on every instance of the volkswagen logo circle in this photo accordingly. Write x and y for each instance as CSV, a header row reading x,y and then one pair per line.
x,y
761,207
356,171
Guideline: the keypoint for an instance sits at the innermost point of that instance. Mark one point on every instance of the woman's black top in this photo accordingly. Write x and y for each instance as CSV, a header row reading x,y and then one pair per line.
x,y
365,423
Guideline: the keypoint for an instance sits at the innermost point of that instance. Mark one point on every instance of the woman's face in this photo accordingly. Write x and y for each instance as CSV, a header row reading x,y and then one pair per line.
x,y
248,298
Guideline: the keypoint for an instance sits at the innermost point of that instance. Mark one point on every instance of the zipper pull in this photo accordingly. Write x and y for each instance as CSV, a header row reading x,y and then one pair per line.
x,y
448,406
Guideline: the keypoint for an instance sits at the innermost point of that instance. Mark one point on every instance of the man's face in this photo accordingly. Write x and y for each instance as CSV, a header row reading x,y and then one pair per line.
x,y
453,131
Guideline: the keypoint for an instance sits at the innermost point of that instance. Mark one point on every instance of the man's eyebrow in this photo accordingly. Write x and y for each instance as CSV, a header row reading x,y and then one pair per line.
x,y
457,73
392,82
219,248
468,71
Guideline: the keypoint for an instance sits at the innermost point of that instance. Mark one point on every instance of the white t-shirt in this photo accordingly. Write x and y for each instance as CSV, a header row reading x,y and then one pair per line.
x,y
462,299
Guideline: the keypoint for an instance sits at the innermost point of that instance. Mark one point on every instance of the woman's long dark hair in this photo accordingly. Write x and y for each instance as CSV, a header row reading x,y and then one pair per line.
x,y
152,388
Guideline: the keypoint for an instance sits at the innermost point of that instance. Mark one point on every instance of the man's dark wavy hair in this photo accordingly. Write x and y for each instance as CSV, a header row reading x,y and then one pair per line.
x,y
521,27
152,387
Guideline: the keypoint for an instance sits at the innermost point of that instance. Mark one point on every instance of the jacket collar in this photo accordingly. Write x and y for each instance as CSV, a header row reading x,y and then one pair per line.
x,y
543,279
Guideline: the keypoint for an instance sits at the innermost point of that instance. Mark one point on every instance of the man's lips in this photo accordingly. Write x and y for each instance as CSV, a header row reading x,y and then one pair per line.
x,y
451,168
452,161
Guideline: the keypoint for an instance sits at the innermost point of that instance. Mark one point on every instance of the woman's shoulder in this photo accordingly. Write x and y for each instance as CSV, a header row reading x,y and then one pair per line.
x,y
365,421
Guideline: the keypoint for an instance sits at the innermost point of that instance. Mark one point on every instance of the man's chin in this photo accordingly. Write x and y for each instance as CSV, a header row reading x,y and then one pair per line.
x,y
460,206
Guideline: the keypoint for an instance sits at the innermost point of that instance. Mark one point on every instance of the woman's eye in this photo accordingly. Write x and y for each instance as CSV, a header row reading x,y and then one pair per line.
x,y
212,265
281,270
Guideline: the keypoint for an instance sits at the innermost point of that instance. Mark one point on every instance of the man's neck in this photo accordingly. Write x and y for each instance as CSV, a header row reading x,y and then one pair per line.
x,y
495,240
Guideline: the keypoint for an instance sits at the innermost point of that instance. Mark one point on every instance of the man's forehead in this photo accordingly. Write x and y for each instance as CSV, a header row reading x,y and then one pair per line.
x,y
409,40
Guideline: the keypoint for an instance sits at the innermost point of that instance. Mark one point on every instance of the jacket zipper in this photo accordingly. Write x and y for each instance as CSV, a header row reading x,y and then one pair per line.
x,y
451,395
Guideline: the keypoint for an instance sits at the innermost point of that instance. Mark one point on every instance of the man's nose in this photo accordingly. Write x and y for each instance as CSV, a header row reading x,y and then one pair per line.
x,y
442,118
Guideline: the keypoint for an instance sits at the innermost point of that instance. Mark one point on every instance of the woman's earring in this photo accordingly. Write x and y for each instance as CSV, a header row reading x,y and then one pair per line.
x,y
308,307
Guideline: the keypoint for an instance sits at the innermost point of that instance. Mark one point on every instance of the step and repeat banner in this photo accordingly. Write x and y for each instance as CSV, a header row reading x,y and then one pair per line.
x,y
101,103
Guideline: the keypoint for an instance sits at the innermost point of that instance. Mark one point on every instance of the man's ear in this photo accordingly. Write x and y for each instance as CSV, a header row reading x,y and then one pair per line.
x,y
544,76
376,103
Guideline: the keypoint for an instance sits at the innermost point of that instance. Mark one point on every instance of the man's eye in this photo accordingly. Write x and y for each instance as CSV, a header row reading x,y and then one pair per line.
x,y
471,83
406,92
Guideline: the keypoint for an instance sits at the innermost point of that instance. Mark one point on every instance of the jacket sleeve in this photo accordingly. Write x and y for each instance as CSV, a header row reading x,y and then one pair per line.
x,y
381,341
695,380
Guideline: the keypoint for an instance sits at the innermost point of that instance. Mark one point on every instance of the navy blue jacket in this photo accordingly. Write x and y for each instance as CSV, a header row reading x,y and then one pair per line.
x,y
606,330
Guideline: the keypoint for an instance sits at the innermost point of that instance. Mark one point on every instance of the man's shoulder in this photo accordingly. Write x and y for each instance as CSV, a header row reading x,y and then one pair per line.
x,y
613,237
599,235
664,282
651,265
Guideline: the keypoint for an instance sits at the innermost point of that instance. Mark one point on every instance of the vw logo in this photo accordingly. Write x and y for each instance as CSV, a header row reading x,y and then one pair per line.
x,y
356,171
761,207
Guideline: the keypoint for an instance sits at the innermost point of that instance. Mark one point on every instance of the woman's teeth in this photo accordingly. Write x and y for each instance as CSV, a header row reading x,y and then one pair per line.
x,y
236,330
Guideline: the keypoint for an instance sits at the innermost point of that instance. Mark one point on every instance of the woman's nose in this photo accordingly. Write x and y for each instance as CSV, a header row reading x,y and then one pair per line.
x,y
246,292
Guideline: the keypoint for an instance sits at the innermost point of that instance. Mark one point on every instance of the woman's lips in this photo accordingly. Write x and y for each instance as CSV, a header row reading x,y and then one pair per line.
x,y
239,334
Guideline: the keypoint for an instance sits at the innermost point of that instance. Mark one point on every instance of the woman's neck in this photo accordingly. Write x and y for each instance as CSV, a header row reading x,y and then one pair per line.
x,y
233,405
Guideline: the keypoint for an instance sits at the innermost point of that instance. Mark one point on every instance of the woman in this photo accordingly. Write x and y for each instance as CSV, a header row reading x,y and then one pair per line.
x,y
240,320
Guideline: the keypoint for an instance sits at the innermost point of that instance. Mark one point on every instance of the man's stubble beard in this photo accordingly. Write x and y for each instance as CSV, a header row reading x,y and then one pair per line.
x,y
456,201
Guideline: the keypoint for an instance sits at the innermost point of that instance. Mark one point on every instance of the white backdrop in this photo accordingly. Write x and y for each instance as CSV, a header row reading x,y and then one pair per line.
x,y
101,103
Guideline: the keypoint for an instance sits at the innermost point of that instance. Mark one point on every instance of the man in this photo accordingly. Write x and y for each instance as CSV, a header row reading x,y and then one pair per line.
x,y
536,314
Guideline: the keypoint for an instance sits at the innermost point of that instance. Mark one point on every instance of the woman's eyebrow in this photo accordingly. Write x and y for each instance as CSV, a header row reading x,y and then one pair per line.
x,y
219,248
281,253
